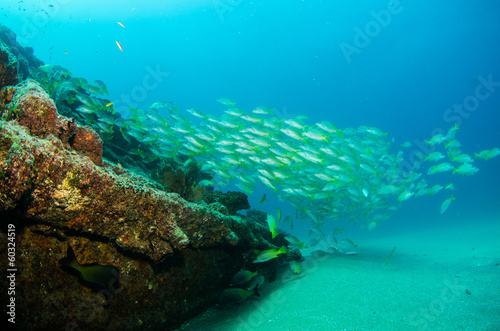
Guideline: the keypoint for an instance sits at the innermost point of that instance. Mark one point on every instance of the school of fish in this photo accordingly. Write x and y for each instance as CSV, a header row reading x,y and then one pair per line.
x,y
326,173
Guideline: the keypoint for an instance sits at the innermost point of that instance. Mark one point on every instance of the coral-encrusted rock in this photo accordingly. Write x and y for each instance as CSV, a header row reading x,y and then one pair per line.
x,y
8,66
87,142
233,201
182,179
24,57
31,107
174,257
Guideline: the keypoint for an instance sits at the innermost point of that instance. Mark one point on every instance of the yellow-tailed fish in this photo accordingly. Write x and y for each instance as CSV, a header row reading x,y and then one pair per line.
x,y
269,254
295,267
119,45
446,204
242,277
271,223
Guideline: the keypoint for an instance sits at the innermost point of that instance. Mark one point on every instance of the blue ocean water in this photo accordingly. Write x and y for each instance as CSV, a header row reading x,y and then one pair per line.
x,y
410,68
401,66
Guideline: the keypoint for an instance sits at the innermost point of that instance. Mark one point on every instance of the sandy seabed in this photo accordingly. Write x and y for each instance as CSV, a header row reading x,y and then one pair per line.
x,y
437,279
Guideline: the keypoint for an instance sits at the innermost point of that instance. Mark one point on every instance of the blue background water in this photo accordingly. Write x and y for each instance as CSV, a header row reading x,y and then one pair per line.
x,y
287,54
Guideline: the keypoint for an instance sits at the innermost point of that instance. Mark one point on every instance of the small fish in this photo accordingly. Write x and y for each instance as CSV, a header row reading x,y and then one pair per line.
x,y
256,282
316,135
226,102
119,46
446,204
196,113
86,109
452,144
436,140
450,186
406,144
206,182
466,169
294,241
482,154
269,254
271,222
443,167
390,256
121,24
242,277
262,111
262,199
452,131
389,189
288,220
436,156
109,104
435,189
405,196
233,111
493,153
295,267
462,158
372,225
345,246
93,275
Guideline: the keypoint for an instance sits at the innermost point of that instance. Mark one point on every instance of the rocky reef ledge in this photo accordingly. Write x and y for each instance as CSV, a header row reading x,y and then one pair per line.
x,y
172,258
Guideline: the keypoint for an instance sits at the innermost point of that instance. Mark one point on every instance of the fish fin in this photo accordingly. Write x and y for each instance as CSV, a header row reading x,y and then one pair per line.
x,y
256,291
67,263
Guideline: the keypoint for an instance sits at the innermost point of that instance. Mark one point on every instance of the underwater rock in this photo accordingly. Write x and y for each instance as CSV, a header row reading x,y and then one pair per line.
x,y
32,108
22,56
174,257
8,66
233,201
87,142
29,105
182,179
258,216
